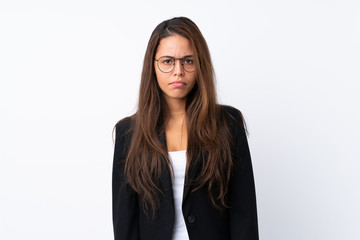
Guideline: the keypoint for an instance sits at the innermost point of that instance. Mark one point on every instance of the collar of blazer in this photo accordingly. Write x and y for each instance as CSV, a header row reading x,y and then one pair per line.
x,y
165,178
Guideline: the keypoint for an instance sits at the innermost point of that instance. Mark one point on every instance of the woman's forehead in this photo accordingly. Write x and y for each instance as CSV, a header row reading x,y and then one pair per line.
x,y
175,46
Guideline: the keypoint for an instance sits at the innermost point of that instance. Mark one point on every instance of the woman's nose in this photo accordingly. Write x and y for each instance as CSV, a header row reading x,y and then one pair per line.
x,y
178,68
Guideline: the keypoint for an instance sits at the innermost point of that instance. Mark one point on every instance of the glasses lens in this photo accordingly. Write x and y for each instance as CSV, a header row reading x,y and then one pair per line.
x,y
188,64
166,64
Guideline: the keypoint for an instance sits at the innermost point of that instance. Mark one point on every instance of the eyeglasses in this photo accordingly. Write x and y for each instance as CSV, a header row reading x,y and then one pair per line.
x,y
166,64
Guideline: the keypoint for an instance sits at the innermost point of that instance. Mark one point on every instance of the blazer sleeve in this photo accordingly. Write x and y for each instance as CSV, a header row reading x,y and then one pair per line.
x,y
243,211
125,201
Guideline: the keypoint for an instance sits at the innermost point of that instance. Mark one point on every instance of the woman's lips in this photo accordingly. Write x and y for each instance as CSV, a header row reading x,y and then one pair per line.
x,y
177,84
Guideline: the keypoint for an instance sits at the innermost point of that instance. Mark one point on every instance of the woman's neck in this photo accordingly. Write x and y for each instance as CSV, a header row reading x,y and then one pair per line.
x,y
176,107
175,129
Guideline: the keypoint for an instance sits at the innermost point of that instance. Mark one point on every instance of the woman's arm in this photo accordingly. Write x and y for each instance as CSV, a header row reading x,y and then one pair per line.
x,y
125,202
243,211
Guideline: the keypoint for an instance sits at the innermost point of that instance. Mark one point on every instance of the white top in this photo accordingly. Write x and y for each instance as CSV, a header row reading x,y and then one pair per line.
x,y
178,160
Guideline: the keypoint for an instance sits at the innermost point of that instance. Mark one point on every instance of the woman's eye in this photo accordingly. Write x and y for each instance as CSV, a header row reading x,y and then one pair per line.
x,y
168,61
188,61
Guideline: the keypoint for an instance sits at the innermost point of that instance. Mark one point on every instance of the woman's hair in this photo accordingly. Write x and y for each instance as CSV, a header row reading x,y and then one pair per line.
x,y
208,134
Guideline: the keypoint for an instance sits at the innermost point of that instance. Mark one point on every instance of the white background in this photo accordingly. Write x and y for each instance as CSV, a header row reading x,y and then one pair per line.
x,y
70,69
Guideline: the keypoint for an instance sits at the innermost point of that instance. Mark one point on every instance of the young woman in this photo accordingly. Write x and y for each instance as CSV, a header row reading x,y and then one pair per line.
x,y
182,167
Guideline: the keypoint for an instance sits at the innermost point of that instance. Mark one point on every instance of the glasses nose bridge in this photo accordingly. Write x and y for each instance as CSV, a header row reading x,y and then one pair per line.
x,y
181,63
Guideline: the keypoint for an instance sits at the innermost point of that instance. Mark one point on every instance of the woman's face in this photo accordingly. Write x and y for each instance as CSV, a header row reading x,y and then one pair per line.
x,y
177,83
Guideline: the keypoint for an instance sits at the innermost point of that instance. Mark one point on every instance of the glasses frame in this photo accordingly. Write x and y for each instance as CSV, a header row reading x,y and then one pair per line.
x,y
181,62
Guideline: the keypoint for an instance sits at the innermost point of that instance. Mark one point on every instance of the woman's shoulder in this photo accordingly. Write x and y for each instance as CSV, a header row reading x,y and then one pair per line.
x,y
233,117
124,126
232,113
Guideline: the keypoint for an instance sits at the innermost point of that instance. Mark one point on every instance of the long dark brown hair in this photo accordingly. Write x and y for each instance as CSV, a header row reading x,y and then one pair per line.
x,y
208,134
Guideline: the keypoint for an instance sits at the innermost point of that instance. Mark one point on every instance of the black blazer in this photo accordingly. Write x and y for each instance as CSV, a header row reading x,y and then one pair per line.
x,y
202,220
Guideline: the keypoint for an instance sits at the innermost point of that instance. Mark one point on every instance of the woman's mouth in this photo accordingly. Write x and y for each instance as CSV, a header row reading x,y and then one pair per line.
x,y
177,84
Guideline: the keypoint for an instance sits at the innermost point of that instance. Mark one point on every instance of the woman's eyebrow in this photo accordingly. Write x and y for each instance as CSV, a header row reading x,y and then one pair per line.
x,y
186,56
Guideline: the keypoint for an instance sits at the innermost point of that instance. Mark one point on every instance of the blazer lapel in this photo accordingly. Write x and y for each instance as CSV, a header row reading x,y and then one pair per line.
x,y
165,178
193,172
